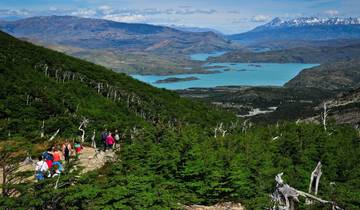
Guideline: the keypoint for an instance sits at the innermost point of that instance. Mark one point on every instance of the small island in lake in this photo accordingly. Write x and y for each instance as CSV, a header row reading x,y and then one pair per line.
x,y
176,79
255,65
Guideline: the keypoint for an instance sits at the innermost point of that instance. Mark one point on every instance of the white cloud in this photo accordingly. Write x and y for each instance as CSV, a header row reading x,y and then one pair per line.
x,y
17,13
105,9
260,18
331,12
53,9
84,12
125,18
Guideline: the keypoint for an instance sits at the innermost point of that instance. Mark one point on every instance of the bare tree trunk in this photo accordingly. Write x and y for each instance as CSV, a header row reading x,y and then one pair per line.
x,y
42,129
220,129
324,116
27,99
93,142
46,70
284,196
316,174
55,134
83,125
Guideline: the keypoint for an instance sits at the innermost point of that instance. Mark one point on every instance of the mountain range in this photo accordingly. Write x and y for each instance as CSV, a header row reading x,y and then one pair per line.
x,y
308,21
104,34
306,28
124,47
194,29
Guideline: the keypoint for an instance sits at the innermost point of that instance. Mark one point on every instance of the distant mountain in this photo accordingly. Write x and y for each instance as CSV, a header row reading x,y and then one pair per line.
x,y
330,76
308,21
195,29
308,54
302,29
104,34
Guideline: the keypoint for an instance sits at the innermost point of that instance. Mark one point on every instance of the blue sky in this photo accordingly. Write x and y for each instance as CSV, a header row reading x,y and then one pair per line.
x,y
227,16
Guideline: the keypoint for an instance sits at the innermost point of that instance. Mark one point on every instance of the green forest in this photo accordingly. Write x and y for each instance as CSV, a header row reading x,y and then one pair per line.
x,y
172,155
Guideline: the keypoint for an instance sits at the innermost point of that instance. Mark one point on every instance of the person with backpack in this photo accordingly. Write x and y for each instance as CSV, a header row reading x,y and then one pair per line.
x,y
103,137
41,168
78,147
110,141
117,139
66,150
48,156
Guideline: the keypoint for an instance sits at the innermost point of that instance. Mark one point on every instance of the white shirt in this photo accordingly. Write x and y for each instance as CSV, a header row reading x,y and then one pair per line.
x,y
41,166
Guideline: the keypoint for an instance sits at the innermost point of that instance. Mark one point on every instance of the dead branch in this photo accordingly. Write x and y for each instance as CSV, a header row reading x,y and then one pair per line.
x,y
54,135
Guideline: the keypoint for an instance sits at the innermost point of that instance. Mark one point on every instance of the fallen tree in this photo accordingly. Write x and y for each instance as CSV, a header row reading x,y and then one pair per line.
x,y
285,196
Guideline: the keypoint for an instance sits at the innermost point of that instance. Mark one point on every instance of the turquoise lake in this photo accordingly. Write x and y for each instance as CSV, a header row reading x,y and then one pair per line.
x,y
232,74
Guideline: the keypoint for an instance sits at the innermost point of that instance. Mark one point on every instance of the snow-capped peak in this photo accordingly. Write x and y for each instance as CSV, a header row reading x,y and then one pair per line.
x,y
309,21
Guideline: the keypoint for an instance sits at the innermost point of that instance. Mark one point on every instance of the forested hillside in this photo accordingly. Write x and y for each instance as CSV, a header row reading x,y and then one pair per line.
x,y
39,84
176,152
331,76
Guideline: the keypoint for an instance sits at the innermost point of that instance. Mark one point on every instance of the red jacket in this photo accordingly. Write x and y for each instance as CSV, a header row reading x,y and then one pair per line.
x,y
110,140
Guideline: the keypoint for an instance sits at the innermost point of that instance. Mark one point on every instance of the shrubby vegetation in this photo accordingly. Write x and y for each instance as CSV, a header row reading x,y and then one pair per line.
x,y
173,158
162,168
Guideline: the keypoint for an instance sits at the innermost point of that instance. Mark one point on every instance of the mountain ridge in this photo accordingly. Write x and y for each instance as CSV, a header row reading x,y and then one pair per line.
x,y
306,28
98,33
309,21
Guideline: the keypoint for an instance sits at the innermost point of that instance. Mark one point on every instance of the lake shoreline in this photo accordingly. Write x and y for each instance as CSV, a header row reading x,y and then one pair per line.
x,y
229,74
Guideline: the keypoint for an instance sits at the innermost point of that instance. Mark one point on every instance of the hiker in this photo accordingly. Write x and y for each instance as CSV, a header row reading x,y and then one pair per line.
x,y
78,147
110,141
48,156
56,155
66,150
41,168
117,139
103,137
56,169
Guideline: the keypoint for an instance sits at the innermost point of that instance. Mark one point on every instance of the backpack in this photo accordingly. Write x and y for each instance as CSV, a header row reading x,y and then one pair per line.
x,y
48,156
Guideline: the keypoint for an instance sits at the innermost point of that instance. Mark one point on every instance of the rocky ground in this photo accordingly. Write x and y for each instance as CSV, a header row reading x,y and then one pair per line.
x,y
90,159
219,206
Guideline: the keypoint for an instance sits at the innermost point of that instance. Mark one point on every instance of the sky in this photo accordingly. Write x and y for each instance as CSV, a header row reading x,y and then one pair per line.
x,y
226,16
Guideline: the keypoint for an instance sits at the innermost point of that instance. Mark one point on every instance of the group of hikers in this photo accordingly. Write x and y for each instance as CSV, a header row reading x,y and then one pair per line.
x,y
110,140
50,162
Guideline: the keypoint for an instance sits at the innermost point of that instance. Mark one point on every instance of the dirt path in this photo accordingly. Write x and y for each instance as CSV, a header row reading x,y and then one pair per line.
x,y
90,159
219,206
